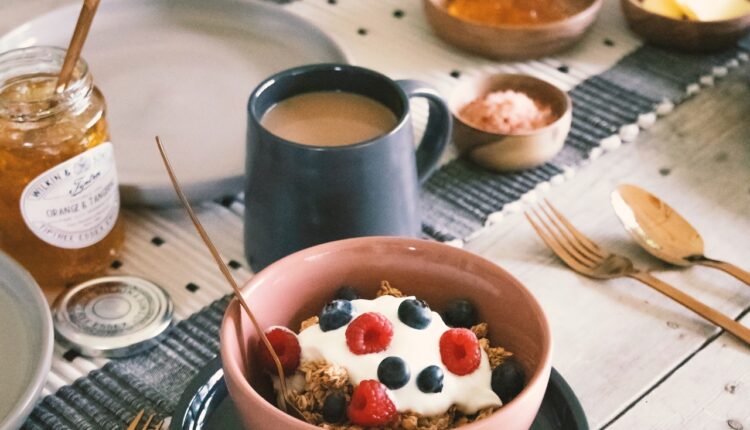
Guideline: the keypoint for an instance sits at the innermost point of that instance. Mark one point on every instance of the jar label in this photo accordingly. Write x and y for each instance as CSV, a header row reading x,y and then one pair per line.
x,y
76,203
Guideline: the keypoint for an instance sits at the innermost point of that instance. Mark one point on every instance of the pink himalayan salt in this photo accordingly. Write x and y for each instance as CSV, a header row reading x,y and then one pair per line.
x,y
506,112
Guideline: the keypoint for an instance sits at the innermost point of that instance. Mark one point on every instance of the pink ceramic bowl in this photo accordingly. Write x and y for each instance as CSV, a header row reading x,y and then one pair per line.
x,y
296,287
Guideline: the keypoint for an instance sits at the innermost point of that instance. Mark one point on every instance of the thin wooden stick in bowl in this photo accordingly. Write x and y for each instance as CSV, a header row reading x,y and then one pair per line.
x,y
225,271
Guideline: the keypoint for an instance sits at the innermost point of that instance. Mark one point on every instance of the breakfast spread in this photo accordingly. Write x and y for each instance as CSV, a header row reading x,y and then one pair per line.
x,y
382,361
698,10
499,12
506,112
392,362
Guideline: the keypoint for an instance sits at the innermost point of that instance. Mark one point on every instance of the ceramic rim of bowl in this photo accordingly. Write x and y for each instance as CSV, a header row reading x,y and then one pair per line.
x,y
23,407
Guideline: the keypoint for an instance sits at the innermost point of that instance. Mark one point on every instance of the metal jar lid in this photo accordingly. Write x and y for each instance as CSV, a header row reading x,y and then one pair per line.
x,y
113,316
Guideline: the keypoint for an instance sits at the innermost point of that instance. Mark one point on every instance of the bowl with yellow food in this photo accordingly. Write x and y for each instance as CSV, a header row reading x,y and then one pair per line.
x,y
689,25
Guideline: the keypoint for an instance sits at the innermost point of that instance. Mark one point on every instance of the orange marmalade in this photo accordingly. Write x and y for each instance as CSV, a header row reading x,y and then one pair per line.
x,y
59,197
512,12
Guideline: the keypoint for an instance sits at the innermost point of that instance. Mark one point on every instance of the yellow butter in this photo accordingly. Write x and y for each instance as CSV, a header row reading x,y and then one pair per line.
x,y
668,8
714,10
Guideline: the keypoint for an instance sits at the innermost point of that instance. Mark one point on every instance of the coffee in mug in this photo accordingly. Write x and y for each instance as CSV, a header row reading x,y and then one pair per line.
x,y
329,118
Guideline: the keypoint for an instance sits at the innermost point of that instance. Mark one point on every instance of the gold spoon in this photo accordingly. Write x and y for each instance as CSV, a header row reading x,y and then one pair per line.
x,y
85,18
663,232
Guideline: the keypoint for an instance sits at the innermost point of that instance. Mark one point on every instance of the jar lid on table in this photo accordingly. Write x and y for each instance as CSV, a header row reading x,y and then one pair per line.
x,y
113,316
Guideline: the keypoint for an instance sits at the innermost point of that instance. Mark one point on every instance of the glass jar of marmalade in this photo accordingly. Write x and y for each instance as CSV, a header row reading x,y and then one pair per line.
x,y
59,197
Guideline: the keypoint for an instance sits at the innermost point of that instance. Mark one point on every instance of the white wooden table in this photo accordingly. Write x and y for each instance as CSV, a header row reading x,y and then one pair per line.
x,y
635,359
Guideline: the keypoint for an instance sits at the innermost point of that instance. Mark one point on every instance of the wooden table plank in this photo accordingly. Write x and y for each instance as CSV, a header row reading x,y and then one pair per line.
x,y
714,400
614,340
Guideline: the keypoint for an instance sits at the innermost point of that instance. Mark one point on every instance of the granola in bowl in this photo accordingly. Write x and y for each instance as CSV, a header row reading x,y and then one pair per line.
x,y
393,363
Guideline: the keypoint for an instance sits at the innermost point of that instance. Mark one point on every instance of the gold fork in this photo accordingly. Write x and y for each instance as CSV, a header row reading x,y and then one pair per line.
x,y
587,258
147,422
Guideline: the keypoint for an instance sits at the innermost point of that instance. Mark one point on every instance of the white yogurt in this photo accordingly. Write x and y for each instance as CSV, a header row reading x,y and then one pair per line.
x,y
418,348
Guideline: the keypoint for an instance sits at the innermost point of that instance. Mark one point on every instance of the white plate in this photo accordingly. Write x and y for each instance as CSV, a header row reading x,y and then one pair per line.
x,y
182,69
26,339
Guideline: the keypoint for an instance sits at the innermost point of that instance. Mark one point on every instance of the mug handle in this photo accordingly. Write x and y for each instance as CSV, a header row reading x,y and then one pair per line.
x,y
437,133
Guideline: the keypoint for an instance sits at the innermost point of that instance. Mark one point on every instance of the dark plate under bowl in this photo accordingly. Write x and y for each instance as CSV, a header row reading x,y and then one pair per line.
x,y
205,405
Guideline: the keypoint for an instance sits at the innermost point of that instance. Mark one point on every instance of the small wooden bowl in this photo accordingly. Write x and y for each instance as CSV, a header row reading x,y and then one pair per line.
x,y
684,35
511,41
508,152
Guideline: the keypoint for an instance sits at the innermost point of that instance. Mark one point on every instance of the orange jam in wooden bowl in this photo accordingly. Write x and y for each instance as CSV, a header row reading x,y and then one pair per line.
x,y
513,12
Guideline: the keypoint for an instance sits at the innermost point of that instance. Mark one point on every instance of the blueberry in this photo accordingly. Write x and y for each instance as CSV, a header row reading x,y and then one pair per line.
x,y
460,313
393,372
415,313
430,380
508,379
334,407
335,314
346,293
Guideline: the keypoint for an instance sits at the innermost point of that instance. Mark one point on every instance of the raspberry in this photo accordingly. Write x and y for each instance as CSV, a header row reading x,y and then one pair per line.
x,y
368,333
286,345
460,351
370,405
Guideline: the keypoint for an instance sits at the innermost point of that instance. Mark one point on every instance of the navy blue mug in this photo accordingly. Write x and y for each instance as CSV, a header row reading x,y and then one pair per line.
x,y
297,196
